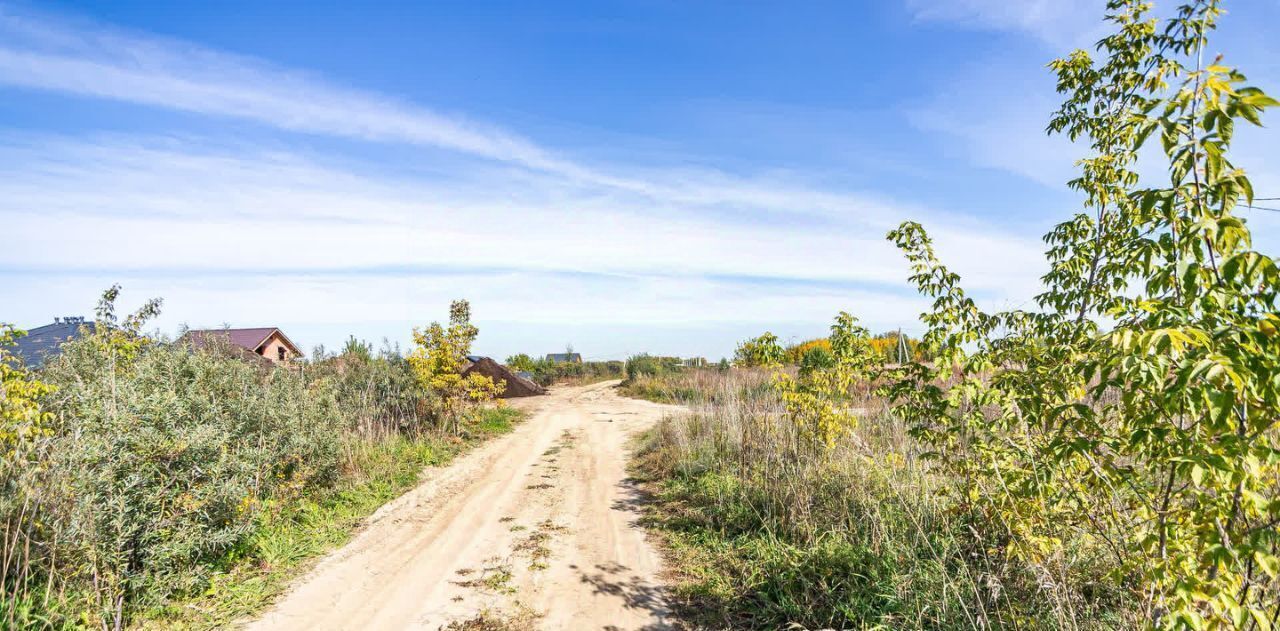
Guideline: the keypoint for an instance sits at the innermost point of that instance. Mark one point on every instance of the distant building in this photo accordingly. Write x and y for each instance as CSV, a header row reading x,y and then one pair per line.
x,y
44,343
269,343
563,358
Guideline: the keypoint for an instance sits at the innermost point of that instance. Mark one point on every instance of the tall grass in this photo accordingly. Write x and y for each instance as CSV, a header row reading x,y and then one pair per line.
x,y
767,533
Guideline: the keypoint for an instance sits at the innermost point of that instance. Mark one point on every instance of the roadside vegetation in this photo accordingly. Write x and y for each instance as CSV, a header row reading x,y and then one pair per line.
x,y
147,483
766,529
1108,460
546,372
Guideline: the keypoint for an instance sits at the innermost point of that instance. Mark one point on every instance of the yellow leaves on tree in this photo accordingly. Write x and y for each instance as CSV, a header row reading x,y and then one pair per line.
x,y
439,358
795,354
21,419
818,401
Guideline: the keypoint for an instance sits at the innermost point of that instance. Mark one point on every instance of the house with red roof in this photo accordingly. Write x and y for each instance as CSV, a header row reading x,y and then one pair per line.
x,y
269,343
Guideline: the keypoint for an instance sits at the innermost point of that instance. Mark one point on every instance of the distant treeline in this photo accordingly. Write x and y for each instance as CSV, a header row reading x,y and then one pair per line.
x,y
891,347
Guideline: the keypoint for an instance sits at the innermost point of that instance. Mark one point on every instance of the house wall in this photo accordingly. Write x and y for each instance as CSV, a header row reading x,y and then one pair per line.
x,y
269,349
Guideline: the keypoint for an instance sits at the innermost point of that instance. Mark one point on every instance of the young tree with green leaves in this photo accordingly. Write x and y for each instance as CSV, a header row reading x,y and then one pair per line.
x,y
24,423
818,400
1150,439
761,351
521,362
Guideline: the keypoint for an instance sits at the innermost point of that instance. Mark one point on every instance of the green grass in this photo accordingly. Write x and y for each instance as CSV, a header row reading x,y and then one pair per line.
x,y
742,569
33,611
290,537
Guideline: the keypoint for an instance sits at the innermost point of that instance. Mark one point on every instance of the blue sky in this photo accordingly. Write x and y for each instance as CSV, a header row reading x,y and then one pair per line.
x,y
635,176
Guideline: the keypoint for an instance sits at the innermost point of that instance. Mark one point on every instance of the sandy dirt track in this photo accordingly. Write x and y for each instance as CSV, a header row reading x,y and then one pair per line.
x,y
541,520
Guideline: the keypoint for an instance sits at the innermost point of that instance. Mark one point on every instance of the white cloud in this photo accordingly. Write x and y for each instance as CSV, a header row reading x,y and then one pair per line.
x,y
1005,134
1059,24
106,63
176,205
101,62
996,110
325,308
275,238
249,233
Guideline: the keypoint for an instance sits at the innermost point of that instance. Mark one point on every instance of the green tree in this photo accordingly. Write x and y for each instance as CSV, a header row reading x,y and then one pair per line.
x,y
759,351
818,401
521,362
357,349
1153,440
24,426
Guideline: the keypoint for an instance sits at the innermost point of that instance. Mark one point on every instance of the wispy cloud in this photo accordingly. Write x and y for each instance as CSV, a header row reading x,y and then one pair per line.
x,y
249,229
1056,23
1008,134
194,207
106,63
102,62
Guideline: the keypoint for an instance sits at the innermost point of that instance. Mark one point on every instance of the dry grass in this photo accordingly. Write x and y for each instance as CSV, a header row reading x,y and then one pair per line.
x,y
522,620
768,532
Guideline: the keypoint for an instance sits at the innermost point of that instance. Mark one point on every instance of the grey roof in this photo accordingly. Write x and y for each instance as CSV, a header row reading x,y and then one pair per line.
x,y
564,357
44,343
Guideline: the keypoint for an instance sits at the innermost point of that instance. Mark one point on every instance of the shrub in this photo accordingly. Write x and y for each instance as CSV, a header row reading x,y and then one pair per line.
x,y
645,365
24,426
162,457
521,363
890,347
152,473
796,352
816,359
759,351
378,394
546,372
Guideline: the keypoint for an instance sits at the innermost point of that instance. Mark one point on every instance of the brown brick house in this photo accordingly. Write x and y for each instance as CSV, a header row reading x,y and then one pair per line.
x,y
269,343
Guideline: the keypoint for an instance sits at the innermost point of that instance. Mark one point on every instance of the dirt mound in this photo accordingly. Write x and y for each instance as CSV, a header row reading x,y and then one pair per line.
x,y
517,386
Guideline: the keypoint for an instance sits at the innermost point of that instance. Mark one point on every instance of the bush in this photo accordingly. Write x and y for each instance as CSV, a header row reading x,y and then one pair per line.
x,y
645,365
24,427
761,351
546,372
153,473
378,394
161,462
816,359
889,347
521,363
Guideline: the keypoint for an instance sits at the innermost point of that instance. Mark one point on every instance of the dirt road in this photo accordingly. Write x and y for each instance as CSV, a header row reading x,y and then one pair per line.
x,y
541,521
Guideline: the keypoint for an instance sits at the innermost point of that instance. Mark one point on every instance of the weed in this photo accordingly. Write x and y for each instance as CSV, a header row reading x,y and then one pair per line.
x,y
521,620
494,578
